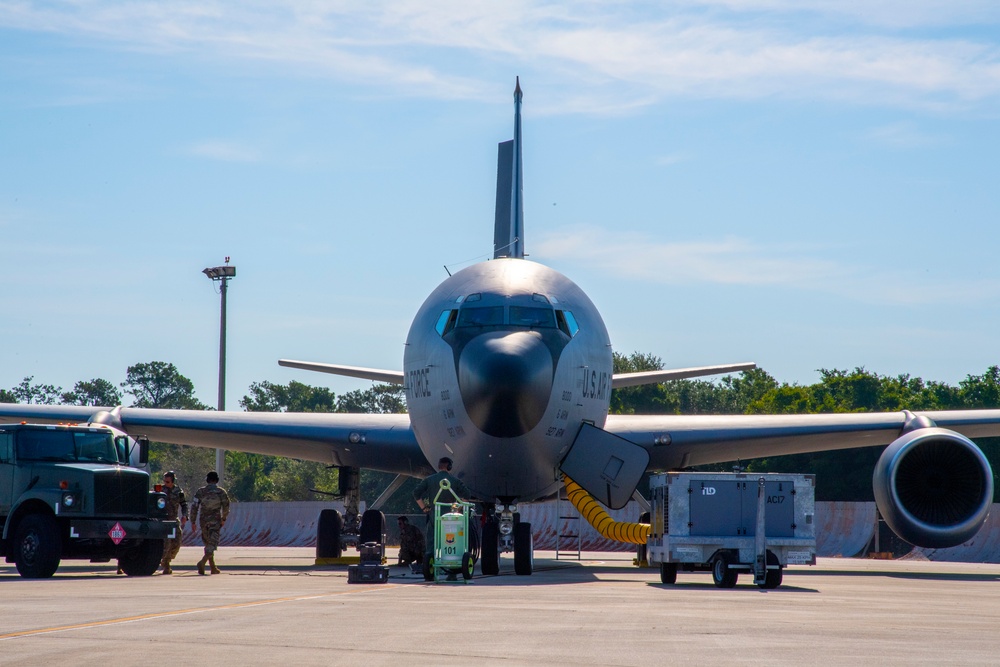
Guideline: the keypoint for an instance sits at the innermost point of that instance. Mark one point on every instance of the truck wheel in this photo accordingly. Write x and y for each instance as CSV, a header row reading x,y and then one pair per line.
x,y
524,548
143,560
722,575
668,573
773,577
489,563
37,546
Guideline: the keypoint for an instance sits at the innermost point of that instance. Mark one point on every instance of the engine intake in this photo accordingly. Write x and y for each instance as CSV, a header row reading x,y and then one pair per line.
x,y
934,487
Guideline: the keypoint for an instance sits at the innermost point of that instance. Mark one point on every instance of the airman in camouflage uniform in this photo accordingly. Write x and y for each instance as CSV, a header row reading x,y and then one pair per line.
x,y
411,543
176,503
428,489
211,505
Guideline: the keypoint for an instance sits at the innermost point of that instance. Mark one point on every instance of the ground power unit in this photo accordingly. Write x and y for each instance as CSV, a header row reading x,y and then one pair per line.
x,y
731,523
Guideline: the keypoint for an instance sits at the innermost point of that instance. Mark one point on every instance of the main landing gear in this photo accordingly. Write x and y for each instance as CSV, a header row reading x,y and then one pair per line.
x,y
504,532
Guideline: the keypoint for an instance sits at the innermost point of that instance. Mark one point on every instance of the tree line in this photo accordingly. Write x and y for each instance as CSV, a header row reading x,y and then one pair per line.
x,y
840,475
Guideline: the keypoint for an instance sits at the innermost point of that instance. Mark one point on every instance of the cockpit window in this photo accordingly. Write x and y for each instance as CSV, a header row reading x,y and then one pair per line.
x,y
567,323
526,316
480,317
446,322
532,317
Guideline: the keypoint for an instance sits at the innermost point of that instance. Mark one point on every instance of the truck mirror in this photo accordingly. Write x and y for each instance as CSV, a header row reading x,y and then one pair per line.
x,y
143,449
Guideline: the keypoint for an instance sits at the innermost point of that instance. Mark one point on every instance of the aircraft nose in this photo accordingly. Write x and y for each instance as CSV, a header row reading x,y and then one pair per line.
x,y
506,381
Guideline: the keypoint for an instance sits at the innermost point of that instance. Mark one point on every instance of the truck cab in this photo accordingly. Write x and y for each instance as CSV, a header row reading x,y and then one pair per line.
x,y
78,492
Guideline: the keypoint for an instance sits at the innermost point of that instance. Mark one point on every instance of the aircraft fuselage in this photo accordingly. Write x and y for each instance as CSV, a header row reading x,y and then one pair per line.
x,y
503,362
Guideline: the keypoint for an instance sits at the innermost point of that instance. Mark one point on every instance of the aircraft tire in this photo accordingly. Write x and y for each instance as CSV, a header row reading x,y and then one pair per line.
x,y
524,549
489,561
668,573
372,527
328,534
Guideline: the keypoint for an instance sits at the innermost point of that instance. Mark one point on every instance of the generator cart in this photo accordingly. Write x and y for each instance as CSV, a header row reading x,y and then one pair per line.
x,y
728,523
451,555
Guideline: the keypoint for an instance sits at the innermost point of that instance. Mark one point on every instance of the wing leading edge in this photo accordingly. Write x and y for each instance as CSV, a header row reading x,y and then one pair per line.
x,y
679,441
620,380
376,374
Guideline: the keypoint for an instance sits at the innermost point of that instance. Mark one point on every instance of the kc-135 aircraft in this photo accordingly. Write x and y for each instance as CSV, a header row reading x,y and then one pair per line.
x,y
507,371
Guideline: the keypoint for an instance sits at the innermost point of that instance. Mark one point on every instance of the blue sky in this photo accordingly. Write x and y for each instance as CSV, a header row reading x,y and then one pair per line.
x,y
807,184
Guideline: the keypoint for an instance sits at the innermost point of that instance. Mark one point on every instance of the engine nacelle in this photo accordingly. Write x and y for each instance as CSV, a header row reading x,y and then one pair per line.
x,y
934,487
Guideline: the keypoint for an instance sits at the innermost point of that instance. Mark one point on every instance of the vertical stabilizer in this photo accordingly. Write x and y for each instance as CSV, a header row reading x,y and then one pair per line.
x,y
508,230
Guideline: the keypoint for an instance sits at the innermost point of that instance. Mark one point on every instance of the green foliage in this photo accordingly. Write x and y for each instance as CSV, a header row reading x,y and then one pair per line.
x,y
981,391
157,384
258,477
98,392
189,463
7,396
380,399
294,397
42,394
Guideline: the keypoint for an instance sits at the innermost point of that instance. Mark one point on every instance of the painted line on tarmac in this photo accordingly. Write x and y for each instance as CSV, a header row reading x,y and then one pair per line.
x,y
179,612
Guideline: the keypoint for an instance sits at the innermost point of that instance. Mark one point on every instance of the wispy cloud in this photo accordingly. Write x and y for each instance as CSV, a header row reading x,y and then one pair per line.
x,y
670,159
625,56
738,261
225,151
903,135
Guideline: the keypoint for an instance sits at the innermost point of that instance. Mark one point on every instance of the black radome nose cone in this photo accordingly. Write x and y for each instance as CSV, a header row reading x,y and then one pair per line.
x,y
506,380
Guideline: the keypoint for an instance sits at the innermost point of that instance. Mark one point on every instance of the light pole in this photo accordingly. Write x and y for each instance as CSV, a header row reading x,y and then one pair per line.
x,y
221,275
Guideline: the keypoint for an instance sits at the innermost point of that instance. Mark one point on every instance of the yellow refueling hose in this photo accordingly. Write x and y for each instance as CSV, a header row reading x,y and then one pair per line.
x,y
594,513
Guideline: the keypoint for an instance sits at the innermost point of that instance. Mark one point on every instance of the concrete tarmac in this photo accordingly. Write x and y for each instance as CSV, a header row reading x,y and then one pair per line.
x,y
272,606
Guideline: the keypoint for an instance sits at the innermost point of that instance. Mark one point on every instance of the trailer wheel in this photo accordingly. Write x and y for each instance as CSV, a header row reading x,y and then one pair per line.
x,y
773,577
143,560
37,546
722,575
668,573
468,564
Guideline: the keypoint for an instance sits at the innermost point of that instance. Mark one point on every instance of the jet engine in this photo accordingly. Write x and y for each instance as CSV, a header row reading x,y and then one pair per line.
x,y
933,486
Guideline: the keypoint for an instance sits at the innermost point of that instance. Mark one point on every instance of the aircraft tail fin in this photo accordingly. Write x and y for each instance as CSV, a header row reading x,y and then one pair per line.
x,y
508,229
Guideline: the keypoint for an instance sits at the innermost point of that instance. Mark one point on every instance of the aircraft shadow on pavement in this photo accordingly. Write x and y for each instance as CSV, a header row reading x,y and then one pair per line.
x,y
927,576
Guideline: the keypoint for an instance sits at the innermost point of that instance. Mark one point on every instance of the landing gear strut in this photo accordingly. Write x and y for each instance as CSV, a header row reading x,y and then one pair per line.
x,y
504,532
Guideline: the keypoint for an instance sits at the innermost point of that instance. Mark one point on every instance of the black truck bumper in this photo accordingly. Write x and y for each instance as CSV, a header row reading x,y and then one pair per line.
x,y
118,530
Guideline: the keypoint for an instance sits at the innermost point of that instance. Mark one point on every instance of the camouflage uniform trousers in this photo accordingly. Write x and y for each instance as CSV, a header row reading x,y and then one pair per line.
x,y
171,547
411,546
211,528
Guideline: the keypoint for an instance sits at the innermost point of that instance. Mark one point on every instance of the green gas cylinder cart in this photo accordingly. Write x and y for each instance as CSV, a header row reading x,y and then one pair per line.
x,y
451,555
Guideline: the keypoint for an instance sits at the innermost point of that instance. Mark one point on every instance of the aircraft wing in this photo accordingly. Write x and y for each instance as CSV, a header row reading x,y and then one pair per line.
x,y
619,380
679,441
377,441
377,374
